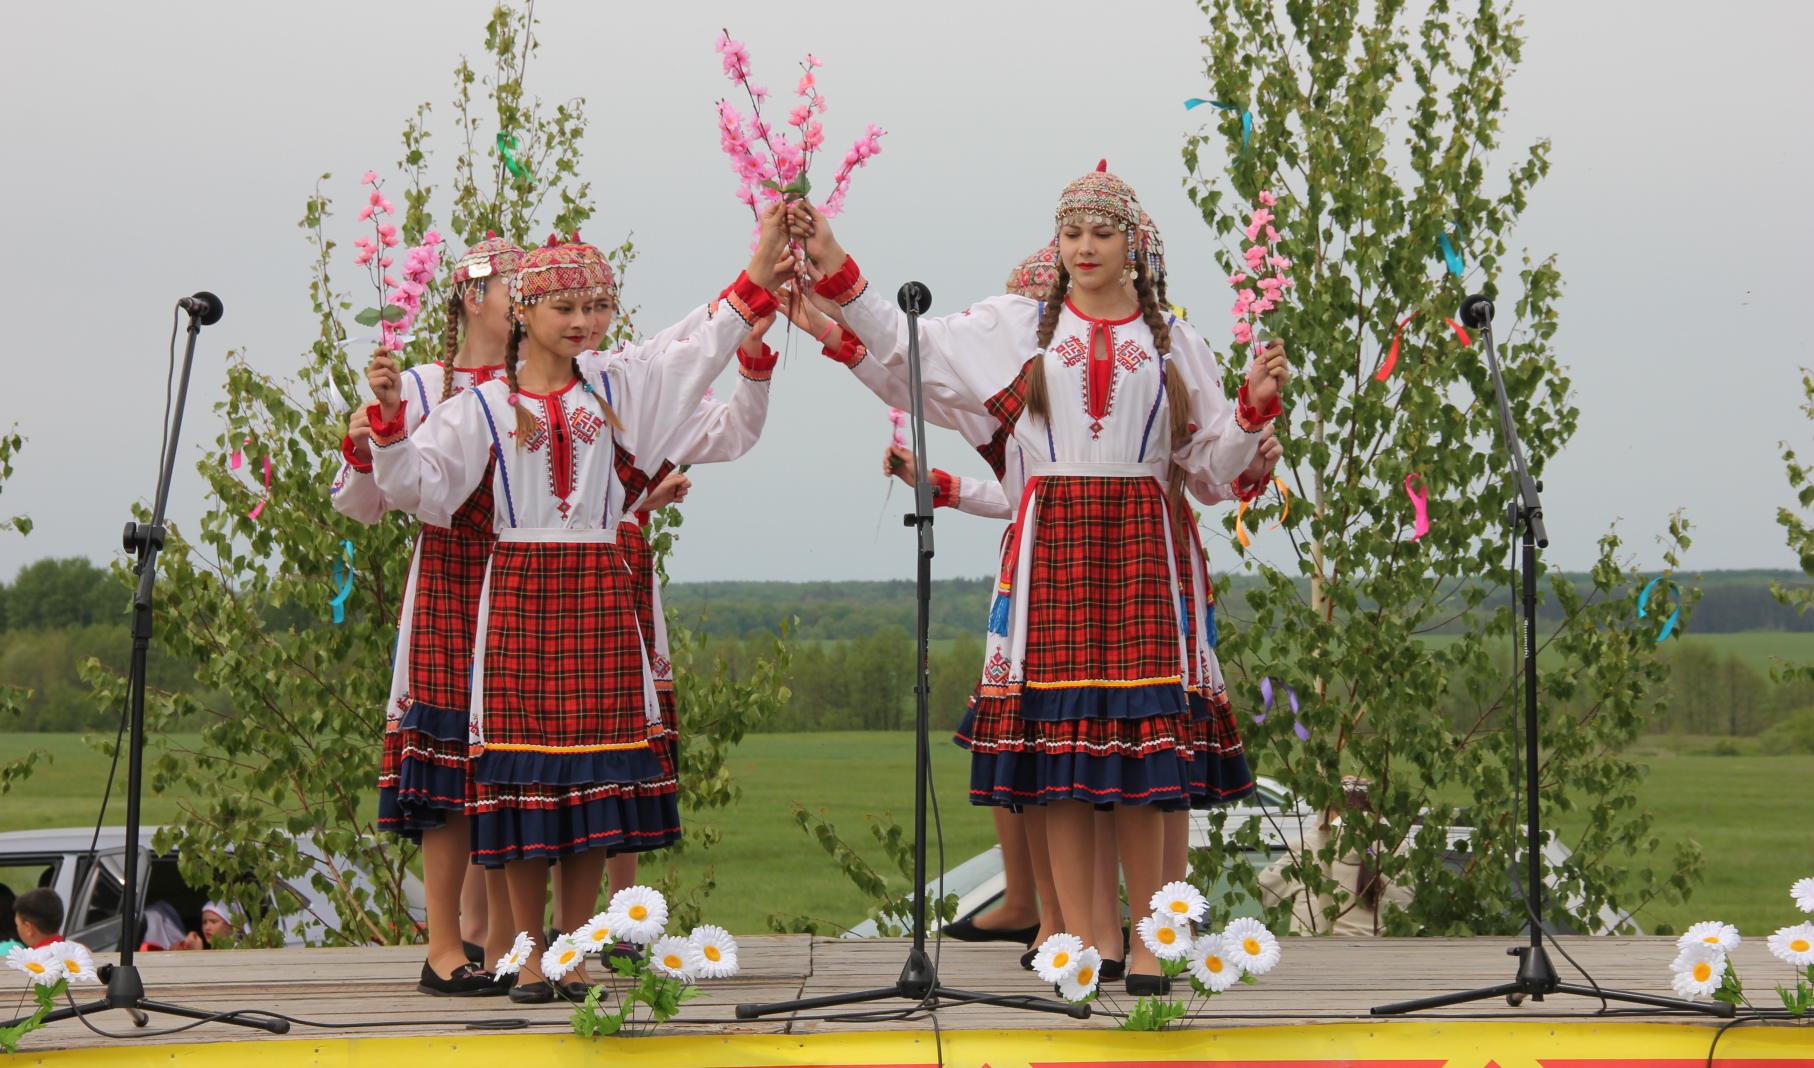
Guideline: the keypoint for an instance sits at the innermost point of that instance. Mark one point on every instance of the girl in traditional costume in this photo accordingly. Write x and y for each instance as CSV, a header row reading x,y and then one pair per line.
x,y
564,720
1084,699
423,779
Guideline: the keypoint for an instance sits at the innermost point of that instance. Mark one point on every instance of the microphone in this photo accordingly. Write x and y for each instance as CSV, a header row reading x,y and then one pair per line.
x,y
914,298
205,306
1477,311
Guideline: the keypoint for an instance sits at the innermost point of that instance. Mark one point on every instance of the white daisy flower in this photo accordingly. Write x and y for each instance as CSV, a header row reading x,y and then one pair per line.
x,y
39,965
74,961
1081,983
1698,970
1710,933
1056,960
1166,934
1249,944
1794,945
562,957
513,961
638,913
1803,892
672,956
1210,964
1180,900
595,936
717,952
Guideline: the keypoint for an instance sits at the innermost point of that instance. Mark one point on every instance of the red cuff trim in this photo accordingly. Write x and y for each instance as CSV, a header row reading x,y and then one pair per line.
x,y
758,368
352,456
642,519
844,286
849,352
1252,419
944,489
750,300
390,433
1245,492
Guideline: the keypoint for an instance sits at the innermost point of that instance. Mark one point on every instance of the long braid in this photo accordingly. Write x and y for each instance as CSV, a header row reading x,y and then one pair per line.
x,y
525,423
456,310
1038,402
604,405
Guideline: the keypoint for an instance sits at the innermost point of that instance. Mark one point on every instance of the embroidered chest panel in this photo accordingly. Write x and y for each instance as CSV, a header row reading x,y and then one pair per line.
x,y
1104,360
563,432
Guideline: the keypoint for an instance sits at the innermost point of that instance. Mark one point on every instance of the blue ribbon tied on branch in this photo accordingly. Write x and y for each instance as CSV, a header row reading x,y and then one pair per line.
x,y
343,578
1674,617
507,149
1246,119
1456,265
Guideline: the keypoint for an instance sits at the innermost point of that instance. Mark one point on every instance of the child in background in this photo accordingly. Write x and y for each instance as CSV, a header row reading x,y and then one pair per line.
x,y
38,916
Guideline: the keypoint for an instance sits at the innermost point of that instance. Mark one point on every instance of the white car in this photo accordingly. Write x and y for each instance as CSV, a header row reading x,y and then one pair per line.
x,y
980,881
92,893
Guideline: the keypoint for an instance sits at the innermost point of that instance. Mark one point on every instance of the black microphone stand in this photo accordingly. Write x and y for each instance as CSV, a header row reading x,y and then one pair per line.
x,y
1536,975
125,989
919,981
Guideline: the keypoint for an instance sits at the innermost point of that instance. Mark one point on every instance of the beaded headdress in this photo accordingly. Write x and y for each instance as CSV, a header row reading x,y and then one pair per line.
x,y
1100,197
1035,275
1153,248
592,253
556,270
492,256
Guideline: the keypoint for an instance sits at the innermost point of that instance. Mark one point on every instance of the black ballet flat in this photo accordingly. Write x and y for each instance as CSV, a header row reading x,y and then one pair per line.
x,y
577,990
1113,969
966,930
532,993
467,981
474,953
1144,985
1026,959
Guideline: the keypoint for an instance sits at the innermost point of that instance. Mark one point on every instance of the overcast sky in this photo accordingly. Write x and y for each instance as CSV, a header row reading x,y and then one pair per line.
x,y
156,149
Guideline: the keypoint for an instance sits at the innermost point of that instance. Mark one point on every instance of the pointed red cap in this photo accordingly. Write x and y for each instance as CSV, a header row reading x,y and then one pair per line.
x,y
1102,166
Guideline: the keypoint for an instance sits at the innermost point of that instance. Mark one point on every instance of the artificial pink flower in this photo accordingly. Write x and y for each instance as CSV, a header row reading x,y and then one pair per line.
x,y
806,82
1260,217
1262,306
386,262
387,229
1267,198
389,281
1272,236
799,115
1243,332
814,61
363,257
375,199
370,178
819,103
1279,262
365,213
1236,279
759,93
1253,232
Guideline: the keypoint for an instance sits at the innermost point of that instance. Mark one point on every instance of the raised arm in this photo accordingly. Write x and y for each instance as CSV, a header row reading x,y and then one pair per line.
x,y
718,432
439,465
1227,433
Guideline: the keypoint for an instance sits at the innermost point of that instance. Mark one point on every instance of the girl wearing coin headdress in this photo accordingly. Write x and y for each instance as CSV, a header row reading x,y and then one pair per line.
x,y
564,723
1084,696
423,778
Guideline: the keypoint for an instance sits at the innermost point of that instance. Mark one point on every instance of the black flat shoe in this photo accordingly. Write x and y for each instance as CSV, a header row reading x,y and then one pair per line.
x,y
1026,959
966,930
577,990
1143,985
1113,970
467,981
532,993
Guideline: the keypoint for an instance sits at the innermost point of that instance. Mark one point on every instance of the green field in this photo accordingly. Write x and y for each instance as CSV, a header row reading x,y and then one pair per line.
x,y
1744,810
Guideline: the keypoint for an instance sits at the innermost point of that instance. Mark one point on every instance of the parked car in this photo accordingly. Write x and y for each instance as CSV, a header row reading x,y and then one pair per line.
x,y
92,893
980,881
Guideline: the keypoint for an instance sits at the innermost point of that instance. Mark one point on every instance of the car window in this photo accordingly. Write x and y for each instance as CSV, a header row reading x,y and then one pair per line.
x,y
105,890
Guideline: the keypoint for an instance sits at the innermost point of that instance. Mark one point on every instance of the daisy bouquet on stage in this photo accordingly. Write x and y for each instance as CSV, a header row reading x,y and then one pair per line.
x,y
399,299
1703,966
50,970
660,971
770,165
1211,962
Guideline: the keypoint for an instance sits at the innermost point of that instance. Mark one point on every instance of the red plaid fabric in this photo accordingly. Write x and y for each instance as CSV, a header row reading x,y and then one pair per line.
x,y
390,762
995,453
448,579
632,479
639,561
1100,607
1008,405
563,669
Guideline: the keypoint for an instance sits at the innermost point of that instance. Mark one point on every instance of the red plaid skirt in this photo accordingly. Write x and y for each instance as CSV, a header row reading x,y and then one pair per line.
x,y
425,764
1102,612
567,763
639,561
1219,769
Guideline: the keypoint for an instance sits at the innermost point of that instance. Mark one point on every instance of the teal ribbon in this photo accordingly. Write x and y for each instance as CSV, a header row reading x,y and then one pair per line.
x,y
343,577
1456,266
507,147
1246,119
1674,617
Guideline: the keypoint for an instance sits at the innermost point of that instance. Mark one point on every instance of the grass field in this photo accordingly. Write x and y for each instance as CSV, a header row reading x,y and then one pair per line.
x,y
1746,812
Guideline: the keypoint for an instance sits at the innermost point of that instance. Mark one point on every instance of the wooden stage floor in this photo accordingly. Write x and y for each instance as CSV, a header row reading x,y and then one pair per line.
x,y
1319,980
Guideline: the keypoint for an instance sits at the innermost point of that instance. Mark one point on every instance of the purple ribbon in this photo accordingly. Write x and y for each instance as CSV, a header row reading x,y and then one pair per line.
x,y
1297,724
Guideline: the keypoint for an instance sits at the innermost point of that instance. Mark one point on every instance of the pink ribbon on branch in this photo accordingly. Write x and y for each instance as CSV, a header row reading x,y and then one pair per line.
x,y
1420,500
